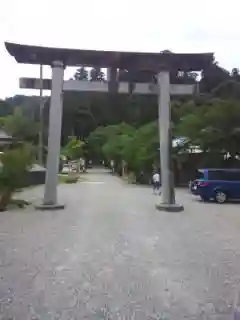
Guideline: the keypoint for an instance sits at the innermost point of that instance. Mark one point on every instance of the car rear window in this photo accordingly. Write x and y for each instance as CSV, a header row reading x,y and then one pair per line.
x,y
226,175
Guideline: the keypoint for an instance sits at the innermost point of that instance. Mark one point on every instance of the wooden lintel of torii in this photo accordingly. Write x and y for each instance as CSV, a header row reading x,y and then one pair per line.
x,y
97,86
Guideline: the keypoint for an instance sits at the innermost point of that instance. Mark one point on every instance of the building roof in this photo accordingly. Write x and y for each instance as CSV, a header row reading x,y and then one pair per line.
x,y
93,58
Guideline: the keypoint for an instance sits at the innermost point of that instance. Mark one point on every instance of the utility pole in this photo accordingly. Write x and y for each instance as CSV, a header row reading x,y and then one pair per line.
x,y
41,106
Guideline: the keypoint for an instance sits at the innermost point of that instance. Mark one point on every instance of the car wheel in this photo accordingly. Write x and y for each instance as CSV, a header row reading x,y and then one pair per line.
x,y
205,199
220,197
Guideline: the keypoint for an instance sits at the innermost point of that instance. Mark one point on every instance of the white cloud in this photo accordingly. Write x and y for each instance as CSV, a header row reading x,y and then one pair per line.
x,y
153,25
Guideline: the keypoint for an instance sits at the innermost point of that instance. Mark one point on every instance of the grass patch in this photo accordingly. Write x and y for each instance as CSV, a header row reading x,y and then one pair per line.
x,y
70,178
20,203
16,203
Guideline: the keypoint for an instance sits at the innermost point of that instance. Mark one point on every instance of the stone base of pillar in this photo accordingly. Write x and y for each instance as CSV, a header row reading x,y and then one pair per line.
x,y
170,207
54,206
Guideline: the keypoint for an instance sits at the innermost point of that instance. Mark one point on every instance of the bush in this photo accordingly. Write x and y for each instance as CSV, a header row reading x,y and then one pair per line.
x,y
73,149
14,171
69,179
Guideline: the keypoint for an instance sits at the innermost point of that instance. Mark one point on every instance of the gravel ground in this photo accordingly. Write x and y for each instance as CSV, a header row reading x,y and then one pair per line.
x,y
111,255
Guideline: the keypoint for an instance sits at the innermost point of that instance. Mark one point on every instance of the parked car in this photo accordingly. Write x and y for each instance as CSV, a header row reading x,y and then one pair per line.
x,y
220,185
197,176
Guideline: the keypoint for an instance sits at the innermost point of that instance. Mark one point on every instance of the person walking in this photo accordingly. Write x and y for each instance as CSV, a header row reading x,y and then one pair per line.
x,y
156,182
112,165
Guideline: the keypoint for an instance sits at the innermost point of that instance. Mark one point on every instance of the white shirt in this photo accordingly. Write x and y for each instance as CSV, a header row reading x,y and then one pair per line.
x,y
156,177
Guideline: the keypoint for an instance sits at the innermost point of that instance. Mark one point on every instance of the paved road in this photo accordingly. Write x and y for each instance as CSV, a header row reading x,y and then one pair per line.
x,y
111,255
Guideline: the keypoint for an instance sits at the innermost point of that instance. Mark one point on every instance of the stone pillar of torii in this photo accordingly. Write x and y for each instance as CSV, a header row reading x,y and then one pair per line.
x,y
60,58
54,138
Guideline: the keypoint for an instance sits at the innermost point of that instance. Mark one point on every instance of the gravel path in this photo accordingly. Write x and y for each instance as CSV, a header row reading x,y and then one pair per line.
x,y
111,255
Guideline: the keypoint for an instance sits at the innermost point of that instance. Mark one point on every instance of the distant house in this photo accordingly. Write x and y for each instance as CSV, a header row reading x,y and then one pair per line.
x,y
181,142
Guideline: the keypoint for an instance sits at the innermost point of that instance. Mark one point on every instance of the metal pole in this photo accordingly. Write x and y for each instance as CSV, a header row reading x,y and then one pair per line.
x,y
41,106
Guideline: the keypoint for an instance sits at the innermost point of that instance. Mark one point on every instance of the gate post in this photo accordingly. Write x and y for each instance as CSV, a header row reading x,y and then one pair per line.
x,y
54,139
164,118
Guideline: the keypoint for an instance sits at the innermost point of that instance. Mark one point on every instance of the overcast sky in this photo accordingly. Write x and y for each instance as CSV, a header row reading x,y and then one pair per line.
x,y
128,25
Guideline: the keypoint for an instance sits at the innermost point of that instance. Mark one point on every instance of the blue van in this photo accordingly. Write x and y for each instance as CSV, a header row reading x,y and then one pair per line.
x,y
218,184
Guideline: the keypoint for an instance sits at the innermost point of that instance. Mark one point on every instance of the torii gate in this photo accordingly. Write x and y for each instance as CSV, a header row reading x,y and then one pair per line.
x,y
134,62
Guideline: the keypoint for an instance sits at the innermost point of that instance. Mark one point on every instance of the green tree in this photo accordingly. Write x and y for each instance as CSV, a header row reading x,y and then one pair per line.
x,y
95,142
213,76
28,104
107,142
73,149
96,74
227,90
235,74
139,148
5,108
81,74
215,127
142,149
13,171
21,127
116,138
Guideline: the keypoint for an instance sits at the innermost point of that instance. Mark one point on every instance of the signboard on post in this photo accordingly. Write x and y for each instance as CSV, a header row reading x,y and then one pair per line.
x,y
34,83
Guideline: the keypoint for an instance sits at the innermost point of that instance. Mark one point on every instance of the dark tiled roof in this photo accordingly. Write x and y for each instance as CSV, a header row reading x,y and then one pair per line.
x,y
124,60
